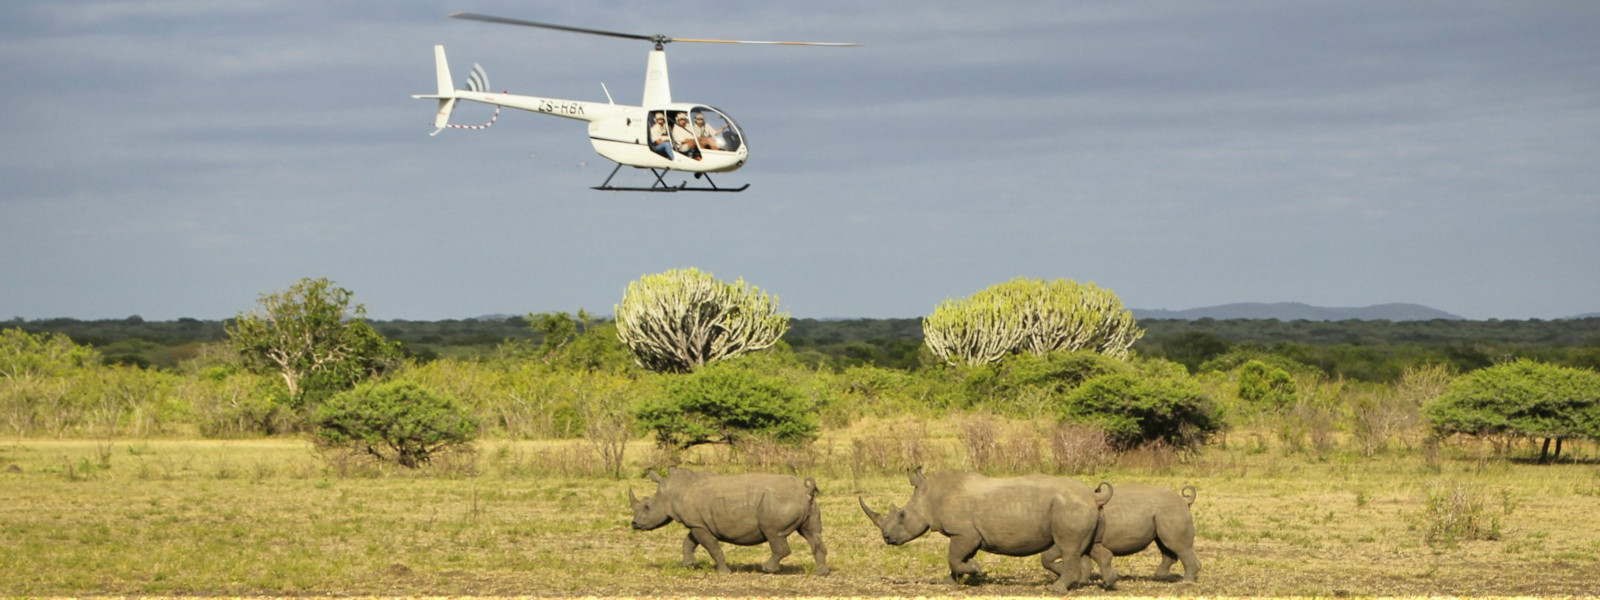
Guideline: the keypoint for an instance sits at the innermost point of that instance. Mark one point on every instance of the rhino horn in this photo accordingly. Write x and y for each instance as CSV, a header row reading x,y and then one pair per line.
x,y
632,499
875,517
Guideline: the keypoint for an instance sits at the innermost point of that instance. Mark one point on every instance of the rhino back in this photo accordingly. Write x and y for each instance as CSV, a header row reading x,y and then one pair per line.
x,y
737,508
1012,516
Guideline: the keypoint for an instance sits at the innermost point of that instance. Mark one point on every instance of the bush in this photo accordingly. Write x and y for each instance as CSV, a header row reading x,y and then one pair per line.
x,y
400,422
1455,512
725,401
1136,410
1265,387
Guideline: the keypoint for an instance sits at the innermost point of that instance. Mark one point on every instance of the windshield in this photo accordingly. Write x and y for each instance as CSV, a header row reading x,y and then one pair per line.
x,y
715,130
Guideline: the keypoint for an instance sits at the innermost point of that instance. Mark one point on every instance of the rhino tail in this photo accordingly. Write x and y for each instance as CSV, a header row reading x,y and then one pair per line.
x,y
1103,493
811,486
1189,494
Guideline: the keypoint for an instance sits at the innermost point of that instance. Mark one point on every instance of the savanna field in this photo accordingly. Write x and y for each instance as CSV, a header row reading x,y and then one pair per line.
x,y
311,457
276,517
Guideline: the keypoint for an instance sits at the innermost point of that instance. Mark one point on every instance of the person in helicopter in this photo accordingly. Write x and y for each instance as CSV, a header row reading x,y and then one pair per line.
x,y
661,135
683,139
705,134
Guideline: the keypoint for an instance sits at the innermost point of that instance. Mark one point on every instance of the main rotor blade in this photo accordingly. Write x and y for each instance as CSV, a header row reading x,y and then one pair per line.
x,y
705,41
506,21
660,39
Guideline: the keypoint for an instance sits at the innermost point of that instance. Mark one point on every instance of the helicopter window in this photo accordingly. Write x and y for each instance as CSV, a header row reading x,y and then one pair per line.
x,y
713,130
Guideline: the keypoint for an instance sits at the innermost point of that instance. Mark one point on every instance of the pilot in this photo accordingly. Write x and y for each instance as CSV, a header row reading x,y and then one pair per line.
x,y
704,133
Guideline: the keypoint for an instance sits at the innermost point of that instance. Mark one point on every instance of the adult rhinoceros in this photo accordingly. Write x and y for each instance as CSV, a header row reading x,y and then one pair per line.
x,y
744,510
1012,516
1140,515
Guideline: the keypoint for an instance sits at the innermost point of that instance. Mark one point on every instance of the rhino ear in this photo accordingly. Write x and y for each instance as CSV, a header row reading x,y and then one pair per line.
x,y
917,477
656,477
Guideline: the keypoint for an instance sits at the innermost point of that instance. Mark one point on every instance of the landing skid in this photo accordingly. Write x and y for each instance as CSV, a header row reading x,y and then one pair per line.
x,y
661,184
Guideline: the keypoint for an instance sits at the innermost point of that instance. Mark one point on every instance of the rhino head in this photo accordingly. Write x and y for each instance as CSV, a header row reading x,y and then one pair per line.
x,y
901,525
653,512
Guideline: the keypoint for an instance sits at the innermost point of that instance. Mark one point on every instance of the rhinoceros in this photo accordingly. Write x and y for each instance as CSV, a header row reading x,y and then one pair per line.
x,y
1011,516
744,510
1140,515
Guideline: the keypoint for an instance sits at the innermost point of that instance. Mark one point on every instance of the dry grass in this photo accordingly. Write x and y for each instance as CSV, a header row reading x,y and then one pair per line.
x,y
546,519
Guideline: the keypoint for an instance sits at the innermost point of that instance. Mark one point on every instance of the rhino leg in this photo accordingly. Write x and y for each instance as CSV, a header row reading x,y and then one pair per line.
x,y
1069,572
1170,553
811,529
962,549
1164,572
780,549
688,549
1108,573
708,541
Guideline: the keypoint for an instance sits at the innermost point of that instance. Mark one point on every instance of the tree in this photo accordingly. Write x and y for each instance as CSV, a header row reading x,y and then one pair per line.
x,y
579,342
680,320
1034,316
975,331
398,421
313,340
1525,398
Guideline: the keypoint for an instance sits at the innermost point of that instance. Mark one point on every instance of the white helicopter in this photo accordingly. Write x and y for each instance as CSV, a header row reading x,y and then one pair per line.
x,y
659,134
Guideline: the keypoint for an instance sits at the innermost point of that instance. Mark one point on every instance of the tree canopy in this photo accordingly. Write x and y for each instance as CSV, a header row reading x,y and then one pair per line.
x,y
313,339
1525,398
679,320
1030,315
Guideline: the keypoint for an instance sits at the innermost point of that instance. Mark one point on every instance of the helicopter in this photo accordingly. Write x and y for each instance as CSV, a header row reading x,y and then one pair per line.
x,y
658,134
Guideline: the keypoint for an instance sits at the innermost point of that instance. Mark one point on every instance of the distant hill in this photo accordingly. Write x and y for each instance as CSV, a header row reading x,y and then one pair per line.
x,y
1295,311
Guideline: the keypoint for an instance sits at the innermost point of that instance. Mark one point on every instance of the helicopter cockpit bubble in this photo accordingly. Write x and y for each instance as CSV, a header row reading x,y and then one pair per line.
x,y
714,129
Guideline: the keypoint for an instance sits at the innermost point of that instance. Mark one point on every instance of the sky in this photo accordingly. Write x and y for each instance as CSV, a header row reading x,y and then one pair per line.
x,y
181,158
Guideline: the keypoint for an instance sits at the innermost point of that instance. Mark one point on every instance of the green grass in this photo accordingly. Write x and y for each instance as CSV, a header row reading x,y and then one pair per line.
x,y
271,517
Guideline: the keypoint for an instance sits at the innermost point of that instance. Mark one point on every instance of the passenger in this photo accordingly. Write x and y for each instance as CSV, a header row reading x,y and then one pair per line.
x,y
683,140
661,136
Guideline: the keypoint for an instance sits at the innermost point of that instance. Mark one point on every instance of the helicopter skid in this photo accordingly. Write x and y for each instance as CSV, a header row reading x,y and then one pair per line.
x,y
661,184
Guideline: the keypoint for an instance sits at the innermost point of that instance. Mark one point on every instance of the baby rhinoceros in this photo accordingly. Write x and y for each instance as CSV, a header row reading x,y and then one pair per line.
x,y
744,510
1139,515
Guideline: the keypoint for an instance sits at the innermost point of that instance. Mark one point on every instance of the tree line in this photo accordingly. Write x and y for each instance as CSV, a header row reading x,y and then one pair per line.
x,y
1360,350
692,359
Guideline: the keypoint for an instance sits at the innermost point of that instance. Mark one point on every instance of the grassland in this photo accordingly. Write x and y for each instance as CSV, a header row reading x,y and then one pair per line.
x,y
273,517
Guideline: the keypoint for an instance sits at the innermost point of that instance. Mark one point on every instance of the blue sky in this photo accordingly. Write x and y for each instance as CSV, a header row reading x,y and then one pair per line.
x,y
179,158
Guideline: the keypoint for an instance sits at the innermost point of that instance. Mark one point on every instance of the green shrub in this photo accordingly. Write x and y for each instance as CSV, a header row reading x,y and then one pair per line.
x,y
1136,410
1266,387
1000,386
725,401
400,422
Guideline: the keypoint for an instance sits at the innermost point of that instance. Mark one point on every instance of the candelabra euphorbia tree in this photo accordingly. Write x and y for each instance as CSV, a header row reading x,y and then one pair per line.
x,y
677,321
